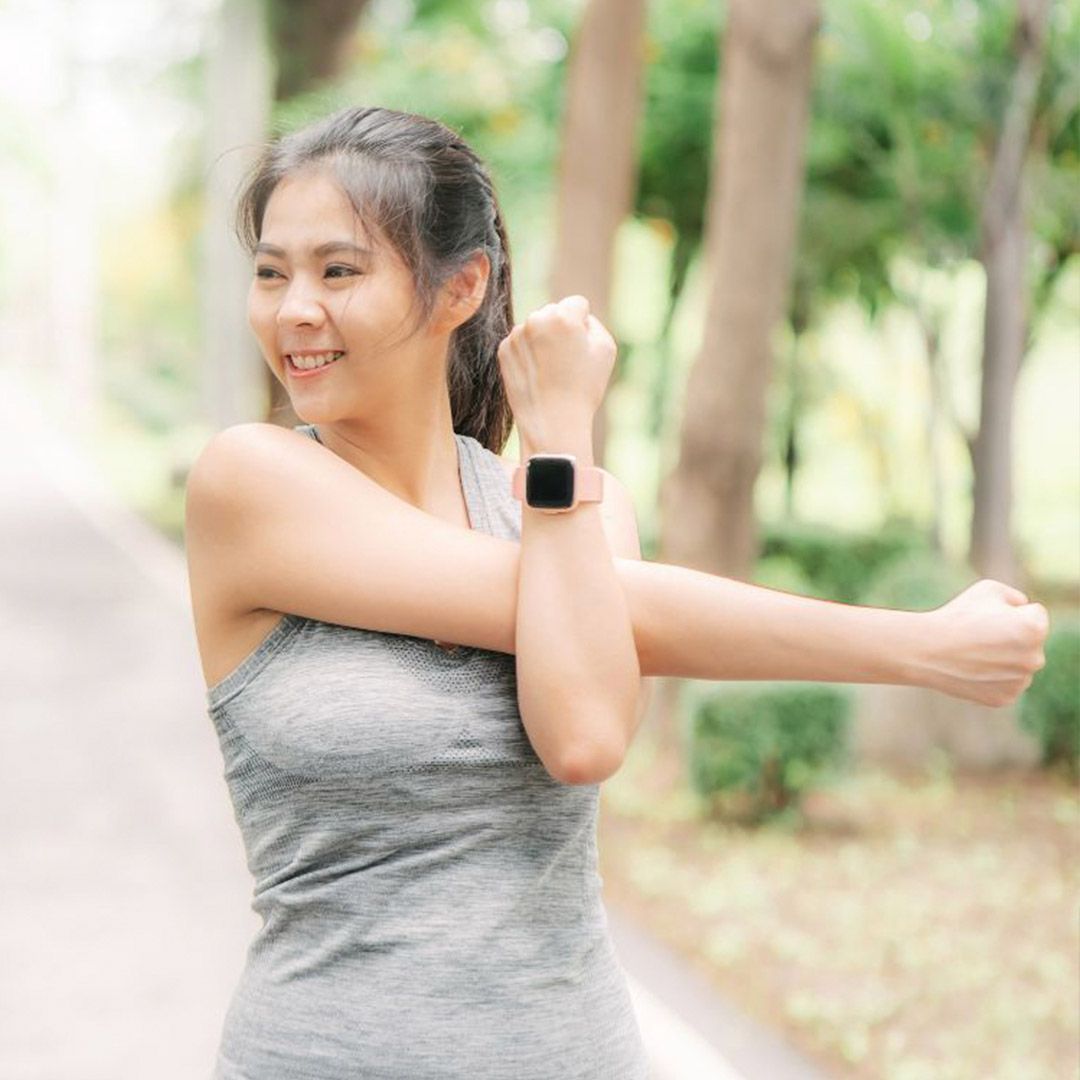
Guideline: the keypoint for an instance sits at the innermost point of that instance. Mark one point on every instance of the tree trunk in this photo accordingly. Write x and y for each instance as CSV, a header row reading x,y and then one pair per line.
x,y
238,83
312,40
935,416
596,172
755,193
1004,243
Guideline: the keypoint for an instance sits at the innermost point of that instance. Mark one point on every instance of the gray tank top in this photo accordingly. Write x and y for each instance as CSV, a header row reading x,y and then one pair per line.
x,y
429,895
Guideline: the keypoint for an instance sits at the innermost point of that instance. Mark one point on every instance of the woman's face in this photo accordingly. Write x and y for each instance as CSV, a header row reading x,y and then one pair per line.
x,y
318,289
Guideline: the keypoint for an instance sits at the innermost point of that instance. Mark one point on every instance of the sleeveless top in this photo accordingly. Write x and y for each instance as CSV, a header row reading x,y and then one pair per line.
x,y
430,901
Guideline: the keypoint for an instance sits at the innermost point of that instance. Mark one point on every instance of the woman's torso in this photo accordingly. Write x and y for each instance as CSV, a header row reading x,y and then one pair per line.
x,y
429,895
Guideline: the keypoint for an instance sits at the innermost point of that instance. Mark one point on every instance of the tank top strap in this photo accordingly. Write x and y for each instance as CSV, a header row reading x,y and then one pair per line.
x,y
485,483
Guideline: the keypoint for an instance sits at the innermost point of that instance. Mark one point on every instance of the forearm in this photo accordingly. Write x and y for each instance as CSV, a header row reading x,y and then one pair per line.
x,y
577,664
696,625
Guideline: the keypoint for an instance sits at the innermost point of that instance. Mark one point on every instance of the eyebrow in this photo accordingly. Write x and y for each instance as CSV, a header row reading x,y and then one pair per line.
x,y
323,249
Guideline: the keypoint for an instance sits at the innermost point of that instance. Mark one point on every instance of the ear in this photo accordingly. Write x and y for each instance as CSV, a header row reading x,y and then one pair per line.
x,y
463,294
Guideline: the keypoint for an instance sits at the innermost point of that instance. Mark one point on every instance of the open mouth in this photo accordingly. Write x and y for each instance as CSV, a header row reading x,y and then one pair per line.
x,y
312,363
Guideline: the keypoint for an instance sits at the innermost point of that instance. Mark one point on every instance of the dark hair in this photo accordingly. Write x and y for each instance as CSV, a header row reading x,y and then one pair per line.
x,y
418,183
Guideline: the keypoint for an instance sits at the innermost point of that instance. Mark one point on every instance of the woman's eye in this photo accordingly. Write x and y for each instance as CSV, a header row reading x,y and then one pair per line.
x,y
268,272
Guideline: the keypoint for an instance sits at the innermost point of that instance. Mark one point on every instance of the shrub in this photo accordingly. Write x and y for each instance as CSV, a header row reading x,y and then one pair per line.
x,y
838,564
1050,707
767,744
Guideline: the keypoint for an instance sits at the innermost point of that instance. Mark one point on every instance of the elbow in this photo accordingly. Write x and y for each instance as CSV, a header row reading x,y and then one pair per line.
x,y
591,766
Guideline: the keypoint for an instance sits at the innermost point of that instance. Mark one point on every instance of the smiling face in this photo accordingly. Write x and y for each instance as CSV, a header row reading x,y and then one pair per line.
x,y
322,287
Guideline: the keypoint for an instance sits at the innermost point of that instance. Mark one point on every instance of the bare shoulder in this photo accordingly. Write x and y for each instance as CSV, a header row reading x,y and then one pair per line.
x,y
228,625
239,455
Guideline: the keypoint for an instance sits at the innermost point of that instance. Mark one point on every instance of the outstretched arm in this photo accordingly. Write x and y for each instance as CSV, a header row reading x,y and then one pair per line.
x,y
276,521
983,646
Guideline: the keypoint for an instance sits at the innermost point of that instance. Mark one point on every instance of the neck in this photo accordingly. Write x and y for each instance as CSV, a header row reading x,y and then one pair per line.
x,y
414,457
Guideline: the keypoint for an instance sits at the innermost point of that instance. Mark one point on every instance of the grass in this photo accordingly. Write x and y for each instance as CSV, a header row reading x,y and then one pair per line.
x,y
919,925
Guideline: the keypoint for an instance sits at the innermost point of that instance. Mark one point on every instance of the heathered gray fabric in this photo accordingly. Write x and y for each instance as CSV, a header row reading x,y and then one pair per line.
x,y
429,894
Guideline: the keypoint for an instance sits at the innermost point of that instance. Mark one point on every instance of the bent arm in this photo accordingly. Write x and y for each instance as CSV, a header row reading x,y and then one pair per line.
x,y
576,656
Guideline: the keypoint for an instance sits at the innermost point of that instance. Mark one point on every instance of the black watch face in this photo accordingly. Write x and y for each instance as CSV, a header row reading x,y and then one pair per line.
x,y
549,483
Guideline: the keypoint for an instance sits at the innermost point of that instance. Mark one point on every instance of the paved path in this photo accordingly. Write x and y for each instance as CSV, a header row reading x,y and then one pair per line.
x,y
124,898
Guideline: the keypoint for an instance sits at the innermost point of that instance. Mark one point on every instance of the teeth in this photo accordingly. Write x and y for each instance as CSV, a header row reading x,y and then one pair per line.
x,y
306,363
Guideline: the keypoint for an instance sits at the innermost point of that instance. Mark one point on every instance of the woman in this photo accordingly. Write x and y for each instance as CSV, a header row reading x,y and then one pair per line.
x,y
419,672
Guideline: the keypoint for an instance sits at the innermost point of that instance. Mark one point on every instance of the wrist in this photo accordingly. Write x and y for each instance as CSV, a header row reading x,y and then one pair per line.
x,y
919,636
558,439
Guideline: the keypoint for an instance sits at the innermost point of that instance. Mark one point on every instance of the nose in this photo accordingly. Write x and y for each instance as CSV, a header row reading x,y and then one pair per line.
x,y
300,306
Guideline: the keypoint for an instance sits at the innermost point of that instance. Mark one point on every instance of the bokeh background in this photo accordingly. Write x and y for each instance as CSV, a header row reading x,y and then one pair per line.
x,y
837,242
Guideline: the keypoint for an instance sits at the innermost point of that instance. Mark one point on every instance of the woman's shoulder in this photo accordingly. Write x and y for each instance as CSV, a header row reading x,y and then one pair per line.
x,y
242,438
245,466
240,442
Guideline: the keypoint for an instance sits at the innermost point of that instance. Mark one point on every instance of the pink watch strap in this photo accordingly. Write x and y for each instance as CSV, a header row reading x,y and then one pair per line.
x,y
588,483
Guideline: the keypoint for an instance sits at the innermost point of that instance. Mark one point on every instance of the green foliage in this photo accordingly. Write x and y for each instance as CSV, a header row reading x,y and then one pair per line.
x,y
1050,707
500,85
675,146
763,747
907,107
833,565
917,581
784,572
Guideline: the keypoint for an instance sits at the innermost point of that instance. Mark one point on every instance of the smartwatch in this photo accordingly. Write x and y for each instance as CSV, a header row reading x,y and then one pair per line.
x,y
555,483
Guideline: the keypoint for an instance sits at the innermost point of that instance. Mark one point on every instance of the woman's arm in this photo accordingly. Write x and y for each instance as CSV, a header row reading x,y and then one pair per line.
x,y
275,521
577,665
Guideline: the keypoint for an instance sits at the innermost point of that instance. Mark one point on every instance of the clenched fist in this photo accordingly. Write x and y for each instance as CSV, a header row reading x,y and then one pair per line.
x,y
988,644
555,367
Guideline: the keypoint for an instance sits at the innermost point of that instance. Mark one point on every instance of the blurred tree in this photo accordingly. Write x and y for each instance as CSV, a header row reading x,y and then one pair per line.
x,y
880,183
312,41
673,173
597,156
905,114
237,85
755,188
1003,252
